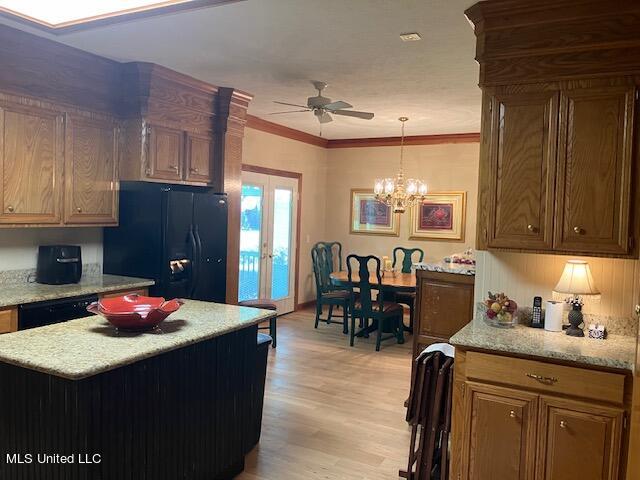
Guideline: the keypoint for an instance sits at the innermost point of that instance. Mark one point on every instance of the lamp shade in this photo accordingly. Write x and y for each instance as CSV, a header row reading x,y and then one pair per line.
x,y
576,279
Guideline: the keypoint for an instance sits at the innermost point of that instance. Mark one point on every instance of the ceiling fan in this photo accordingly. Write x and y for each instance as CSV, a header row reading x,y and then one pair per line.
x,y
322,107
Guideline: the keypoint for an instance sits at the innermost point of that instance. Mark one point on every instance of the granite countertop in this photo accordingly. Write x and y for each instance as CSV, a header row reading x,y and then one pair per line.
x,y
617,351
89,346
20,293
455,268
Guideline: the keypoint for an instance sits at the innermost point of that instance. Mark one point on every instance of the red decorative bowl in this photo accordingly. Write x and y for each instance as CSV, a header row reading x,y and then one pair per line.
x,y
135,312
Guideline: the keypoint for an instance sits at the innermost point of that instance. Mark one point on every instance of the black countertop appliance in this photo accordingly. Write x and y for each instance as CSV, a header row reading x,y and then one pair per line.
x,y
59,264
173,234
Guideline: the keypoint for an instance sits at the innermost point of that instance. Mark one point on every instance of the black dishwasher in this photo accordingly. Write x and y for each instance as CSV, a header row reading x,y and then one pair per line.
x,y
38,314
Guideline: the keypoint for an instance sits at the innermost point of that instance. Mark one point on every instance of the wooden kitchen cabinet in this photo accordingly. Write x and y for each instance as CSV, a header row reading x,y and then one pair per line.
x,y
165,153
500,424
91,160
578,440
593,206
31,163
522,169
444,304
199,150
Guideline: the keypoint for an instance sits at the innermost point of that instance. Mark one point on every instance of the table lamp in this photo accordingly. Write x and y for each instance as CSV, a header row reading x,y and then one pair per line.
x,y
577,281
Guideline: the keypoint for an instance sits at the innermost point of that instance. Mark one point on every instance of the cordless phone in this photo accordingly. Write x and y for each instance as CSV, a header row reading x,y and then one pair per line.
x,y
536,319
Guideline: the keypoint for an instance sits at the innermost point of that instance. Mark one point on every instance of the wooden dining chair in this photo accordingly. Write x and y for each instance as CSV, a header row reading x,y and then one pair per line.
x,y
334,251
385,316
326,293
407,298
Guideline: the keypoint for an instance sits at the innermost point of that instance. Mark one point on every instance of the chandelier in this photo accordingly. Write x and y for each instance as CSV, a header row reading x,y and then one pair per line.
x,y
400,193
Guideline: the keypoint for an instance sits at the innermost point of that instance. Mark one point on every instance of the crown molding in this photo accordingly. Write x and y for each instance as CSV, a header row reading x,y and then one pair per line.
x,y
293,134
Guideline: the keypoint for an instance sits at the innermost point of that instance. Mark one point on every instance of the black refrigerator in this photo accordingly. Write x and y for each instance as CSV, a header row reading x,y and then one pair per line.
x,y
173,234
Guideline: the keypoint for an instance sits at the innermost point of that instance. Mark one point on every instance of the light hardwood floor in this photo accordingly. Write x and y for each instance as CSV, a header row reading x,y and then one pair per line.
x,y
332,411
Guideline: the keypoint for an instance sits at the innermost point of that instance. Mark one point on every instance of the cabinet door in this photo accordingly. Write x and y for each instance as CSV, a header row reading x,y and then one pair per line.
x,y
91,155
444,308
198,165
31,162
578,440
522,170
165,153
500,433
594,170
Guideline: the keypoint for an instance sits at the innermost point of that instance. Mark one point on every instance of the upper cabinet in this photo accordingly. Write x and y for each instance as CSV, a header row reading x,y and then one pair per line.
x,y
593,207
165,147
522,169
31,163
559,154
91,159
199,150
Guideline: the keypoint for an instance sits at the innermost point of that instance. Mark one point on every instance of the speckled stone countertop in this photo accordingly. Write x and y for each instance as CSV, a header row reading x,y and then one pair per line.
x,y
89,346
19,293
455,268
617,351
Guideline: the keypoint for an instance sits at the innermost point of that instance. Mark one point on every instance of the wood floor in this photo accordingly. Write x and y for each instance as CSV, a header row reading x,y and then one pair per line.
x,y
332,411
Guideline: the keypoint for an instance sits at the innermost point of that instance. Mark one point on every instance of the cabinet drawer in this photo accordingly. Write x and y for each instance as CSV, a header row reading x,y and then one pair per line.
x,y
141,291
8,320
546,377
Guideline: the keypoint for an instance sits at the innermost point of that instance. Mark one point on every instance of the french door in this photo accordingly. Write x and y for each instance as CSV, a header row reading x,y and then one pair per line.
x,y
268,239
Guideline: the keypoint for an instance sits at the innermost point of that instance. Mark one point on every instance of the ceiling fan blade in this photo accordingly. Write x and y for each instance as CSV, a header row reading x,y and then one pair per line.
x,y
290,104
337,105
289,111
353,113
324,118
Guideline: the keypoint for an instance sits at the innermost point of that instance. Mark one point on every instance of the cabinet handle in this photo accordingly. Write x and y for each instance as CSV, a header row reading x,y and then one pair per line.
x,y
563,424
531,228
10,209
577,230
512,414
194,170
173,167
541,379
79,210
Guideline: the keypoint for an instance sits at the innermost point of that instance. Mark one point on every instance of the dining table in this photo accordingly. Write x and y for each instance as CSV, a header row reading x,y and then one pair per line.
x,y
392,283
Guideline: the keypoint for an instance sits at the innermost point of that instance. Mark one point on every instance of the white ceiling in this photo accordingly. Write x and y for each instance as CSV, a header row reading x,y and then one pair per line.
x,y
272,48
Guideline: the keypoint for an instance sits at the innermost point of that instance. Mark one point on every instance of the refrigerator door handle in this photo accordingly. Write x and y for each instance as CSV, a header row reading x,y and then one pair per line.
x,y
199,258
195,267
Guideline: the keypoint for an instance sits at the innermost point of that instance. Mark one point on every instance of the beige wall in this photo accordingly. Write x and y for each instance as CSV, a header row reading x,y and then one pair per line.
x,y
524,275
272,151
447,167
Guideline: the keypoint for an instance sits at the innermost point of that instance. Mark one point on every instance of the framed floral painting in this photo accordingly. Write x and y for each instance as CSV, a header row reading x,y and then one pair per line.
x,y
441,216
370,216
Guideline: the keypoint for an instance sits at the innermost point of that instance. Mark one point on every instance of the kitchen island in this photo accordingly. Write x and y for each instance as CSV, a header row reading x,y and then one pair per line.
x,y
167,404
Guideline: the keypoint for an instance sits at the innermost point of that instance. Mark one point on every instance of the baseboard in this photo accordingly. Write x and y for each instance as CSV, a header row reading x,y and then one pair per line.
x,y
305,305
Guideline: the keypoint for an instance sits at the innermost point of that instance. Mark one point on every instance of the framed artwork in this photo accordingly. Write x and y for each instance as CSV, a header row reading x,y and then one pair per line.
x,y
370,216
441,216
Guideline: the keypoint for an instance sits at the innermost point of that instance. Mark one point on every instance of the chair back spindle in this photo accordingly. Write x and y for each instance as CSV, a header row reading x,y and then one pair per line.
x,y
364,281
334,251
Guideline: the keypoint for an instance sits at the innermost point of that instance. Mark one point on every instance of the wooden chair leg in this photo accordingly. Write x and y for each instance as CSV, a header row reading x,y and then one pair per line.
x,y
400,330
318,312
345,319
353,330
330,314
272,331
379,335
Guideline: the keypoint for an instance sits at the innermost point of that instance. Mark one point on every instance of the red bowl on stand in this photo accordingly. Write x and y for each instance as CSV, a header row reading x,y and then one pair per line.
x,y
134,312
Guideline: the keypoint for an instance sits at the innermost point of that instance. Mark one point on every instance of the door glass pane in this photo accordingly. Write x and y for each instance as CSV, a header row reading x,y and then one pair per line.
x,y
250,222
281,243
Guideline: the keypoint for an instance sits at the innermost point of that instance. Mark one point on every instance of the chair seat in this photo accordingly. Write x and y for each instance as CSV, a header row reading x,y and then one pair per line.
x,y
264,303
336,294
405,297
387,307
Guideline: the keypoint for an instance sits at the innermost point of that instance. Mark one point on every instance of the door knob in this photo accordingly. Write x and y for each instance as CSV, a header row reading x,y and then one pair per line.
x,y
577,230
10,208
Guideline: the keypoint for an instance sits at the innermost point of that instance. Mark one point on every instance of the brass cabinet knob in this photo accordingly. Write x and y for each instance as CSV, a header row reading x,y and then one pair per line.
x,y
531,228
563,424
578,230
173,167
78,209
10,208
194,170
512,414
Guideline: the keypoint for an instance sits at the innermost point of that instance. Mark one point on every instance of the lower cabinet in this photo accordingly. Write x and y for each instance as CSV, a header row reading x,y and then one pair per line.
x,y
516,434
501,433
578,440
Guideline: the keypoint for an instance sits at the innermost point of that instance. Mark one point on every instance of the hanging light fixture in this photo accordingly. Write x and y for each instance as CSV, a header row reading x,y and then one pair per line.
x,y
400,193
